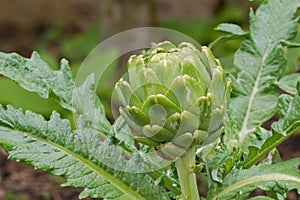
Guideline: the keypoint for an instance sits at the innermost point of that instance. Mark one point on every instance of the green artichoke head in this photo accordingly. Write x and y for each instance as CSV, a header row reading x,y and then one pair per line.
x,y
174,97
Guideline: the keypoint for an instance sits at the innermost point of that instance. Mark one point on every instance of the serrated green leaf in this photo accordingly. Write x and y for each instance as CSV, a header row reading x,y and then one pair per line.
x,y
35,75
281,178
234,30
79,156
123,133
87,103
27,73
290,115
289,110
260,61
230,28
289,82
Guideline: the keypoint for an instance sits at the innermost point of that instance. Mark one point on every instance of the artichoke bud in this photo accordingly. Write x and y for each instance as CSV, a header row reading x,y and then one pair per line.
x,y
174,97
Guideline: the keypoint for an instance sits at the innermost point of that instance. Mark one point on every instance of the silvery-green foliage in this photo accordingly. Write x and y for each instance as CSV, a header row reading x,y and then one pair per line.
x,y
190,88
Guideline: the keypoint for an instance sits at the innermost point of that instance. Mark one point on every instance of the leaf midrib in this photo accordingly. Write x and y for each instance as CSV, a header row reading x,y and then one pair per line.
x,y
127,191
244,129
256,179
264,150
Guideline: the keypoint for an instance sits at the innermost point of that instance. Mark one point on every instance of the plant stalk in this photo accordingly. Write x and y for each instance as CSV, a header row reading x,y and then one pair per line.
x,y
187,178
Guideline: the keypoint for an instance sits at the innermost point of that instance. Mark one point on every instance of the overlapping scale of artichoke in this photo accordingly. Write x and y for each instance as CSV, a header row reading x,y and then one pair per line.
x,y
175,97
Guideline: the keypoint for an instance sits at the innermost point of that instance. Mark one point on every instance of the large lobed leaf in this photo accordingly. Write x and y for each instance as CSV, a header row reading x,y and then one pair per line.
x,y
79,156
255,96
86,103
33,74
279,178
260,60
289,112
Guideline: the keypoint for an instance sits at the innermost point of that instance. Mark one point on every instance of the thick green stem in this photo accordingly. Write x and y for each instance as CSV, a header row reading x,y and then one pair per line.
x,y
187,178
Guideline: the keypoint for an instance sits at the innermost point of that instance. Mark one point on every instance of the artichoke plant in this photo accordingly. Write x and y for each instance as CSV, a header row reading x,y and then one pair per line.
x,y
174,97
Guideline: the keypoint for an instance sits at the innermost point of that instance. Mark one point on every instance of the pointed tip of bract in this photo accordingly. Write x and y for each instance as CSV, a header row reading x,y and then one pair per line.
x,y
125,94
228,91
135,61
190,46
166,45
217,87
209,59
130,120
138,116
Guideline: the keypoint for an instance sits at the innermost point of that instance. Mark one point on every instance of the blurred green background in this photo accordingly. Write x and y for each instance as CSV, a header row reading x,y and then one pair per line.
x,y
72,28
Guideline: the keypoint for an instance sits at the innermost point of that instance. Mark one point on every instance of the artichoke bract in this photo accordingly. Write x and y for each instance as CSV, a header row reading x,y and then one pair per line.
x,y
174,97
